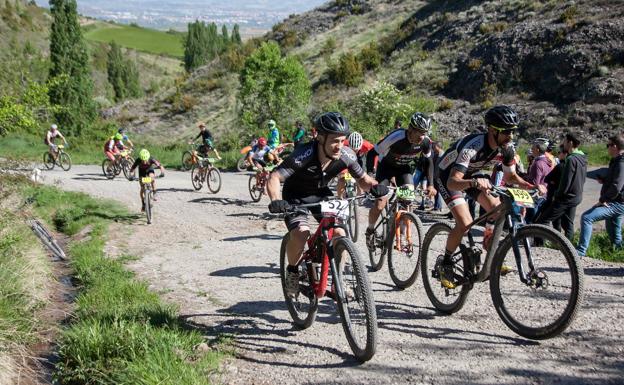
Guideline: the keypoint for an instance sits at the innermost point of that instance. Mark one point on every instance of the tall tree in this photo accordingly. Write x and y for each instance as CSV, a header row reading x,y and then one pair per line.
x,y
123,74
273,87
72,93
224,36
236,38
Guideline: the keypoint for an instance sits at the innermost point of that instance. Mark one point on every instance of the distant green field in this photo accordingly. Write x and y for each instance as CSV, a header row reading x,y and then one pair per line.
x,y
141,39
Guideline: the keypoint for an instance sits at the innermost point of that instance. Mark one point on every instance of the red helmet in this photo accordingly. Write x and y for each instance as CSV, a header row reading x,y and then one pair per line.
x,y
262,141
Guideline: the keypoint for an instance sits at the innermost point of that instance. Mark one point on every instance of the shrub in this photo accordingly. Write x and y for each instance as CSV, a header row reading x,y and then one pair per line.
x,y
347,71
370,57
475,64
569,15
445,104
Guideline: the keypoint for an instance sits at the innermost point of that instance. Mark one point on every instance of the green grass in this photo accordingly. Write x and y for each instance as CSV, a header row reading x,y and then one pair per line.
x,y
600,247
141,39
25,147
121,332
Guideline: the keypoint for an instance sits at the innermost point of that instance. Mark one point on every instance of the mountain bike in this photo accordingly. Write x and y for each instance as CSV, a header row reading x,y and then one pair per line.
x,y
63,160
537,299
122,163
258,181
398,235
205,172
353,294
148,196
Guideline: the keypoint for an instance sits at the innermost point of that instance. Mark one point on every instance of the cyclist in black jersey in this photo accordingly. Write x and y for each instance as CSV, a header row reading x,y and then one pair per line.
x,y
455,170
397,151
305,174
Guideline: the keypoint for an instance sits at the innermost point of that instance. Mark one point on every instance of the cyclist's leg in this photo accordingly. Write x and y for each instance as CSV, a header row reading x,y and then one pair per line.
x,y
152,174
299,232
383,177
142,194
109,155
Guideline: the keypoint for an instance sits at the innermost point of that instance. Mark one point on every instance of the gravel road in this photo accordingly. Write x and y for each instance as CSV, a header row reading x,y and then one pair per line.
x,y
216,256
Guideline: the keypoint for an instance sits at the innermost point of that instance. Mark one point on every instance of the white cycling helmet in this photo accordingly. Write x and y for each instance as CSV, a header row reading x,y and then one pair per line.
x,y
355,141
54,127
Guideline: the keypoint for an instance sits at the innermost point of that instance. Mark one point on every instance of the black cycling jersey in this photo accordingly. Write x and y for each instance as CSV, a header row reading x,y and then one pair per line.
x,y
145,168
303,174
473,153
206,137
395,150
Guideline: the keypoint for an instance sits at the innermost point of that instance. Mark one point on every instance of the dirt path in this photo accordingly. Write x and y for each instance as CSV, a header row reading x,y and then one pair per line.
x,y
217,257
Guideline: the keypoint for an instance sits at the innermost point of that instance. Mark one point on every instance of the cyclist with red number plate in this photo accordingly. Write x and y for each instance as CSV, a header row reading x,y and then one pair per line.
x,y
361,147
305,174
455,171
397,152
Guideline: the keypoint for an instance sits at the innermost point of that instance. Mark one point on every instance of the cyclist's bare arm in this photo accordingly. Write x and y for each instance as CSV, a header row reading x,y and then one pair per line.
x,y
457,182
513,178
273,187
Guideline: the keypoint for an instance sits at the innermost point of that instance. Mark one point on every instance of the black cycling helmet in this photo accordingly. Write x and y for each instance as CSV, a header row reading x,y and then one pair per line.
x,y
421,122
502,118
332,123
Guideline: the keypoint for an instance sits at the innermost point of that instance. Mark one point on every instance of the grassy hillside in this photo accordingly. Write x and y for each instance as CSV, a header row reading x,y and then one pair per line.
x,y
140,39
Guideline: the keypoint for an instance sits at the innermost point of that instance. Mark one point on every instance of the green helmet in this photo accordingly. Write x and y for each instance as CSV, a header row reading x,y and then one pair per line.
x,y
118,136
144,155
271,123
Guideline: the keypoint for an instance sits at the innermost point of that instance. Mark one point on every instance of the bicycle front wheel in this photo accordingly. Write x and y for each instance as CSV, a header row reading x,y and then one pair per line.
x,y
48,160
356,306
445,300
148,206
378,246
125,167
64,161
214,180
254,191
242,164
546,305
404,253
353,224
197,177
108,169
304,305
187,160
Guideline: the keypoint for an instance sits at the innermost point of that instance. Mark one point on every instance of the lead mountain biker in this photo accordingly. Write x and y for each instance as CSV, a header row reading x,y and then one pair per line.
x,y
50,138
305,174
455,172
207,143
397,151
145,163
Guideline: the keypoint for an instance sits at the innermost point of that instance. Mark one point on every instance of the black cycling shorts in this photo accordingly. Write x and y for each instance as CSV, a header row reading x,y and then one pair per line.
x,y
294,221
401,175
454,198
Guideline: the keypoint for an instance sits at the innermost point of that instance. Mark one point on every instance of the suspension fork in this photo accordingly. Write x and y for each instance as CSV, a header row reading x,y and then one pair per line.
x,y
513,231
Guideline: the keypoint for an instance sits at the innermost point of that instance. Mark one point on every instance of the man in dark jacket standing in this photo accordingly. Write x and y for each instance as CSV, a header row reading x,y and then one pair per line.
x,y
610,206
569,194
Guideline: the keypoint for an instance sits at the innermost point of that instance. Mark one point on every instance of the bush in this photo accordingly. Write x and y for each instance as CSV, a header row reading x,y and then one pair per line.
x,y
370,57
445,104
475,64
569,15
347,71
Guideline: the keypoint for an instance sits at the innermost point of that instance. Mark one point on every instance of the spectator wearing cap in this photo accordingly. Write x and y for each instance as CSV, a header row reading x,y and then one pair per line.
x,y
569,191
540,167
610,206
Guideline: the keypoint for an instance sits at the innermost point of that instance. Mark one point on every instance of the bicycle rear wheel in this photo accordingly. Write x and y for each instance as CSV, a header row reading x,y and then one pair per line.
x,y
303,307
379,248
148,205
445,300
64,160
548,304
48,160
403,263
187,161
197,177
254,191
356,306
214,180
108,169
242,164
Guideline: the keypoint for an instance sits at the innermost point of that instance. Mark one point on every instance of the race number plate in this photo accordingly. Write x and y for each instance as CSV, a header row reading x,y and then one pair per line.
x,y
146,179
522,197
406,194
337,208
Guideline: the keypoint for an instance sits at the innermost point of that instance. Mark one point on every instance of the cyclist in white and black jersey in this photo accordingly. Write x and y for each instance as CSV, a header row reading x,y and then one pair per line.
x,y
397,152
305,174
454,177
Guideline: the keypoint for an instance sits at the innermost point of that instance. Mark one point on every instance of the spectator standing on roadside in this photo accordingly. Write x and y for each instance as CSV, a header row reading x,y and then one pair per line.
x,y
300,134
569,191
540,167
610,206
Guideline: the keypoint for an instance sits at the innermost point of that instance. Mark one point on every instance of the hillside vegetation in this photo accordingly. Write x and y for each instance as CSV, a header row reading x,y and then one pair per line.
x,y
559,62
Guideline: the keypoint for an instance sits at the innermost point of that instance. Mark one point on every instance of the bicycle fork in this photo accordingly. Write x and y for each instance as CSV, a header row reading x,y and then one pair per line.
x,y
513,230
